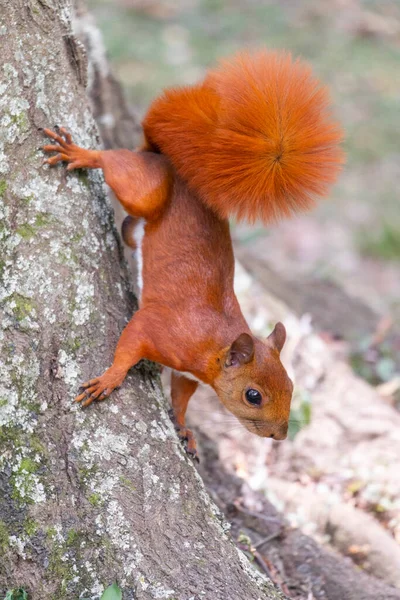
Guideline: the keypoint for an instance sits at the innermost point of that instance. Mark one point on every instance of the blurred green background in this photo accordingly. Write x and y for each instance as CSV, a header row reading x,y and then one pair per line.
x,y
352,238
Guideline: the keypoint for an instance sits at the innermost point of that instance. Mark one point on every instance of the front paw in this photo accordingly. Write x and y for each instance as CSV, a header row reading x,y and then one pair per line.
x,y
100,387
187,438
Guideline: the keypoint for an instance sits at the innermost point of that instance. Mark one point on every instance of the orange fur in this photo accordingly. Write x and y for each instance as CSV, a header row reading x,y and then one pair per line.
x,y
254,140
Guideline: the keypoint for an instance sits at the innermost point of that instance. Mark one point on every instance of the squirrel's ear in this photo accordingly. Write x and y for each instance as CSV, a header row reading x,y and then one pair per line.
x,y
241,351
277,338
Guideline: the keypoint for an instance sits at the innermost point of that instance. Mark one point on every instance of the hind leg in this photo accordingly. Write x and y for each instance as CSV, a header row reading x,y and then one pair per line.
x,y
140,180
182,389
128,227
76,157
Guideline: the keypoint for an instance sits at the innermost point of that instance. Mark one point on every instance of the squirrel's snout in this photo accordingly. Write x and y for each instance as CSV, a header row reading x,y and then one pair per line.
x,y
281,432
266,429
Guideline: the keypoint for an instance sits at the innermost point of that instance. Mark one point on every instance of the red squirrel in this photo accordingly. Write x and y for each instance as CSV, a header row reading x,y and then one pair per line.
x,y
254,140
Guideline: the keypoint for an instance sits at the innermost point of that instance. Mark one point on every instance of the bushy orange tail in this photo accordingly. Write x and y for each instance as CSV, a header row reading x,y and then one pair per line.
x,y
254,140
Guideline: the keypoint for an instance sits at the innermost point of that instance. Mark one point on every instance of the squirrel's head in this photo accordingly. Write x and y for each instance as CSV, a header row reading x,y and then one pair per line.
x,y
254,385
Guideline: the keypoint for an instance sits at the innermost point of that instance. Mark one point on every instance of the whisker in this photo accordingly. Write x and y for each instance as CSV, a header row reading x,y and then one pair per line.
x,y
238,427
209,411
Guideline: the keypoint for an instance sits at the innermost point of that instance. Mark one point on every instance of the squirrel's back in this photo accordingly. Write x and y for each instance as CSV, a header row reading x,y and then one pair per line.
x,y
254,140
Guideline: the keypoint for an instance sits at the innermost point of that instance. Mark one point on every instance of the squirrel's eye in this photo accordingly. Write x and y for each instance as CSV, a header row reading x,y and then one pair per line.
x,y
253,397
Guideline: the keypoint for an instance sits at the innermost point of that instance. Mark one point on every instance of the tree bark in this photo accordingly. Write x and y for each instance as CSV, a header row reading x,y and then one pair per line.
x,y
86,497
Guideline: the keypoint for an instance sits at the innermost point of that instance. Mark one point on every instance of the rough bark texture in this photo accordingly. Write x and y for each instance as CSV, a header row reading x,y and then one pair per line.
x,y
86,497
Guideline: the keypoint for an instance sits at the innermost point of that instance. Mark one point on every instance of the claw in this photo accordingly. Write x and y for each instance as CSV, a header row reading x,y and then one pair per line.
x,y
191,450
55,136
90,383
189,443
66,134
100,387
193,455
51,148
87,402
78,158
80,397
53,160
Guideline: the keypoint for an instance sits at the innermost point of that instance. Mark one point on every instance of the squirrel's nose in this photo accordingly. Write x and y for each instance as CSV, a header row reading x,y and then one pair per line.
x,y
281,433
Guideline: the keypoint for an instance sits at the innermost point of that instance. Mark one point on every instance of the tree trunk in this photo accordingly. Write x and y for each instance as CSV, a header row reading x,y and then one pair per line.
x,y
86,497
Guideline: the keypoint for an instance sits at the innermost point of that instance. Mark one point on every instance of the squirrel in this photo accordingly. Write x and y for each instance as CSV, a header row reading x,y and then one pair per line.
x,y
254,140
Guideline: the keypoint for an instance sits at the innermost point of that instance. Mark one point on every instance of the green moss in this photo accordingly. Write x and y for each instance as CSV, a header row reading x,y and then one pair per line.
x,y
42,219
23,482
51,532
72,536
10,437
127,482
95,499
59,569
26,231
23,306
29,230
37,446
24,477
28,465
3,187
28,199
30,526
25,388
21,120
73,345
63,555
77,238
87,474
3,536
